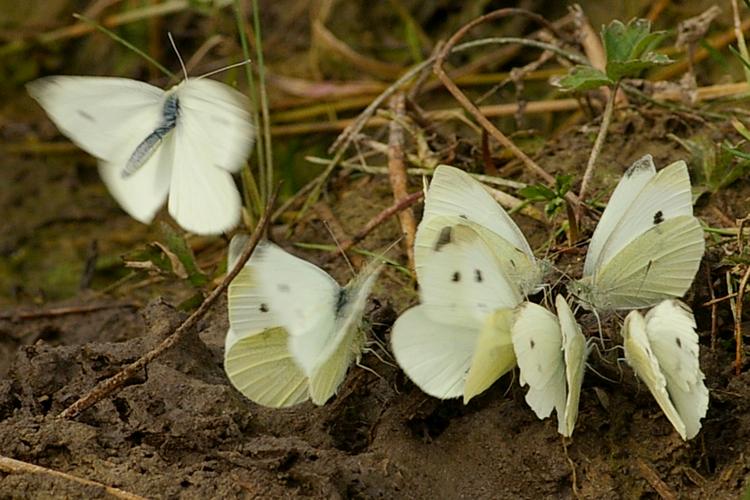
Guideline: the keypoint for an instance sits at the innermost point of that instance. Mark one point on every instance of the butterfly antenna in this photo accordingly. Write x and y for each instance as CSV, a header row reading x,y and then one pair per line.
x,y
179,57
225,68
338,245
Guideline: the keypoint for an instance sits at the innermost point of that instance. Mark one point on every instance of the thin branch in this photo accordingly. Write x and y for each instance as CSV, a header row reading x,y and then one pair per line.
x,y
12,466
598,144
383,216
397,174
114,383
439,70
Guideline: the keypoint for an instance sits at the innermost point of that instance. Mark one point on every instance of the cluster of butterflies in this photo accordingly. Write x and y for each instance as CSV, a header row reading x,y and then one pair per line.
x,y
294,331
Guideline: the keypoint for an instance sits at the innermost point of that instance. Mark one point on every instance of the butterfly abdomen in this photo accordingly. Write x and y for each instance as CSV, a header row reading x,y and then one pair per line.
x,y
146,148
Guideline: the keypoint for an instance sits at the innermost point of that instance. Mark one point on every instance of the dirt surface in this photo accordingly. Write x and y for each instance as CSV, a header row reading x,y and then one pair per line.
x,y
180,430
73,314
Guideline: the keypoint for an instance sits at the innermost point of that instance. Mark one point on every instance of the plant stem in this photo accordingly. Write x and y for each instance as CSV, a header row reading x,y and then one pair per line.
x,y
263,100
254,107
740,38
601,136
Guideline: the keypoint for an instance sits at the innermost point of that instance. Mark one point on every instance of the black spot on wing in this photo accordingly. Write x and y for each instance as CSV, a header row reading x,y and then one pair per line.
x,y
445,237
463,217
679,342
478,275
341,300
456,277
263,308
658,217
532,343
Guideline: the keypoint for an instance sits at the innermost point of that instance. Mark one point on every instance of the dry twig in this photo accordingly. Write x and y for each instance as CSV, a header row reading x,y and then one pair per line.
x,y
397,174
12,466
439,70
114,383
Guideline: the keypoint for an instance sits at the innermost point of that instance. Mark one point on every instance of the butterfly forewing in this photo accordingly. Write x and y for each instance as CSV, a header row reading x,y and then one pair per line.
x,y
435,356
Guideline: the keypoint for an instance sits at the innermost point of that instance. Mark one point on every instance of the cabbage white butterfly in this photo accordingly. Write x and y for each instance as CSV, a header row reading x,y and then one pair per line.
x,y
551,352
183,143
293,330
455,197
662,349
457,341
647,246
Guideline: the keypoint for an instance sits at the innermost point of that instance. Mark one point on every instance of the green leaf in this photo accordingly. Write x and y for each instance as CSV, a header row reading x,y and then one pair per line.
x,y
630,48
582,78
632,68
176,243
537,192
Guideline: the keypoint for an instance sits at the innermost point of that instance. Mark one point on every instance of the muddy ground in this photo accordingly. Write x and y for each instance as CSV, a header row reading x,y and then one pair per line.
x,y
179,430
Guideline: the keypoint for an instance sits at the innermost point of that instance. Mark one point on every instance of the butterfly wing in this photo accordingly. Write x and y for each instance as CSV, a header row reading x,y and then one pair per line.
x,y
632,182
108,118
493,354
262,369
303,298
664,197
100,114
203,197
347,342
575,354
670,328
537,341
640,356
660,264
461,279
436,356
453,192
220,119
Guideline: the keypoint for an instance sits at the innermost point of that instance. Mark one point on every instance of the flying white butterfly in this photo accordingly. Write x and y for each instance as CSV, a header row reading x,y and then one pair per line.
x,y
647,246
457,341
455,197
662,348
293,330
551,353
184,143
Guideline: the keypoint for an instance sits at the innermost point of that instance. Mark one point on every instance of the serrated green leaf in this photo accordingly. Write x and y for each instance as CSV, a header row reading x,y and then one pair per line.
x,y
563,183
176,243
630,48
617,70
582,78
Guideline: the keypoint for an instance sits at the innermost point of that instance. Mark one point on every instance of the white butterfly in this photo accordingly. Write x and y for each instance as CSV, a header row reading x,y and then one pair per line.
x,y
662,348
457,341
551,353
647,246
184,143
455,197
293,330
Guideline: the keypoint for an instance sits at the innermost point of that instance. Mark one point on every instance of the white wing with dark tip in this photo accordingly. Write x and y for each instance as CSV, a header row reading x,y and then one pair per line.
x,y
662,349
